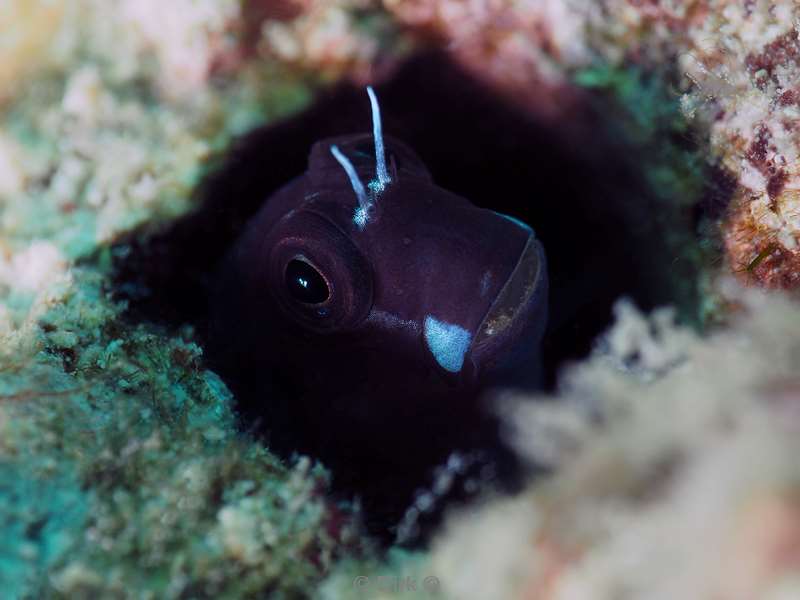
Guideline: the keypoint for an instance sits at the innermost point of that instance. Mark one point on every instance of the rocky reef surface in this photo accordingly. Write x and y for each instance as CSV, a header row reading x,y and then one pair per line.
x,y
122,471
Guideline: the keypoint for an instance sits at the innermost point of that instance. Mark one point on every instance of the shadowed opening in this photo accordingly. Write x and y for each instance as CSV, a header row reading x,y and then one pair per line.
x,y
605,231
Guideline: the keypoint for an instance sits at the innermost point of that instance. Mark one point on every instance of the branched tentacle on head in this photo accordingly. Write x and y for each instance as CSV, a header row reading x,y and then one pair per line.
x,y
364,203
381,180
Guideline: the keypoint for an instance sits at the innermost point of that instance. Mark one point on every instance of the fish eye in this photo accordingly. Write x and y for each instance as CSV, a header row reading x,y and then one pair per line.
x,y
316,274
305,283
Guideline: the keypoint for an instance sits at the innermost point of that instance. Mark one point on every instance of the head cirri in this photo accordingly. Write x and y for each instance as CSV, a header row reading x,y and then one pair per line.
x,y
387,302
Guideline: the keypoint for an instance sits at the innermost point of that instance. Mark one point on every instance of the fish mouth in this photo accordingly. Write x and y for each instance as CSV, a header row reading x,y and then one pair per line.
x,y
517,315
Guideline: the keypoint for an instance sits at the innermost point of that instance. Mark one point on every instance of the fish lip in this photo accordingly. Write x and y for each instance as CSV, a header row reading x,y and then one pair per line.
x,y
518,312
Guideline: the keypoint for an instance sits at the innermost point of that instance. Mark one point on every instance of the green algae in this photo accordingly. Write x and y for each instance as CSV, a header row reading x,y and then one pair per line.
x,y
642,111
123,475
400,574
651,118
44,510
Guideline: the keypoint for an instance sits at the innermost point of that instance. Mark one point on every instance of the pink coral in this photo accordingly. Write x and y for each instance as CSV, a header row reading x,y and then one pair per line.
x,y
330,38
743,61
522,48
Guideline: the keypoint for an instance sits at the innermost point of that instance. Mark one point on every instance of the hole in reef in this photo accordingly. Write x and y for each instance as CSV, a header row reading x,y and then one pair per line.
x,y
590,207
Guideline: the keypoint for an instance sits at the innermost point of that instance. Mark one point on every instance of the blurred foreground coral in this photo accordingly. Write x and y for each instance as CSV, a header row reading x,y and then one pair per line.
x,y
674,473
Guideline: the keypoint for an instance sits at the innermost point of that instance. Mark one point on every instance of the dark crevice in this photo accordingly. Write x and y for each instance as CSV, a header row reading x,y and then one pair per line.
x,y
587,202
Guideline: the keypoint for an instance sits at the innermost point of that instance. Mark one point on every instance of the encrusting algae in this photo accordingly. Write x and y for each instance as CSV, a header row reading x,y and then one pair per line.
x,y
122,473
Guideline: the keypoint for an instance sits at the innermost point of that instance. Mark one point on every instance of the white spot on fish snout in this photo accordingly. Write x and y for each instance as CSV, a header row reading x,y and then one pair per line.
x,y
447,342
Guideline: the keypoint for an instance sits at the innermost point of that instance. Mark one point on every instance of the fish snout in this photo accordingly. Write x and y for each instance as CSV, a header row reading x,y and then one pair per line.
x,y
482,303
505,346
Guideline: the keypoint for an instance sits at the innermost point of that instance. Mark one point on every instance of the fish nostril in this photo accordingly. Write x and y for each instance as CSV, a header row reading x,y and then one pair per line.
x,y
502,321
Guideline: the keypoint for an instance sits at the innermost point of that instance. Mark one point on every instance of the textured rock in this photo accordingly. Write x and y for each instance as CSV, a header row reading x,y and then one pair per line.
x,y
524,48
743,60
142,485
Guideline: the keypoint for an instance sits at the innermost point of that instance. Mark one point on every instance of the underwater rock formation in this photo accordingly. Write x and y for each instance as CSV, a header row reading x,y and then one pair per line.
x,y
754,132
524,48
740,62
144,486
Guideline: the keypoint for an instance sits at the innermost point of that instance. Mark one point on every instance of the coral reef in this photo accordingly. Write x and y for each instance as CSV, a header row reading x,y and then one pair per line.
x,y
751,113
168,486
32,24
739,67
133,121
122,473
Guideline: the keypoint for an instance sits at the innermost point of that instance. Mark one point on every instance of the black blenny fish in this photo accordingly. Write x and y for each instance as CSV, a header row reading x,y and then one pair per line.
x,y
385,305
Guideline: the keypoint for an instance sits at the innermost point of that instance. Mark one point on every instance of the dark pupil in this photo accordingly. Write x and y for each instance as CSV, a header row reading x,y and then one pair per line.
x,y
305,283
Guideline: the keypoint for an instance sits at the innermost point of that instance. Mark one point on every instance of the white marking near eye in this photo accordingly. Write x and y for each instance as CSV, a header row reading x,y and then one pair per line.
x,y
392,321
447,342
361,215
